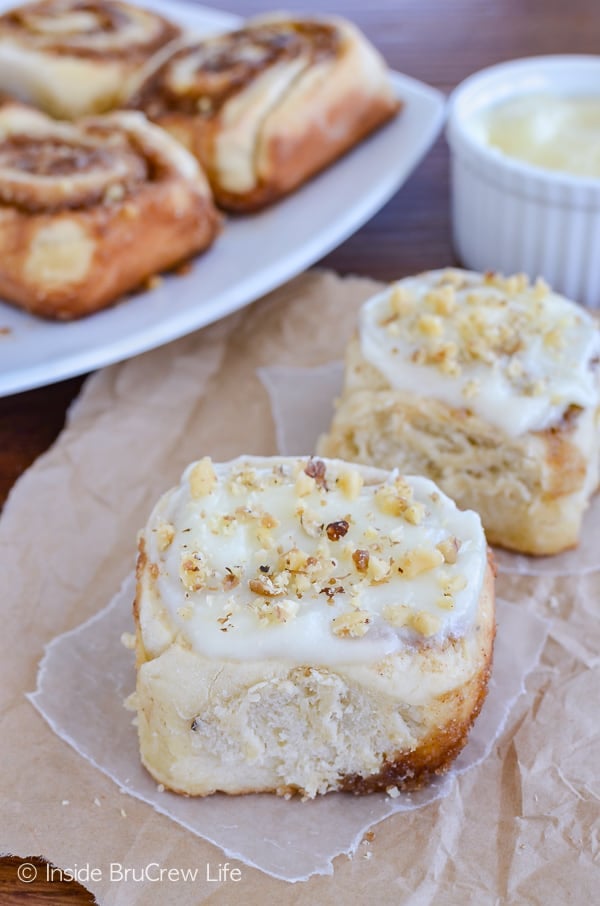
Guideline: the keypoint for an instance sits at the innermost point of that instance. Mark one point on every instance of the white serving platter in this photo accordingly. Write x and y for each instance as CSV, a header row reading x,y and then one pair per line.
x,y
253,255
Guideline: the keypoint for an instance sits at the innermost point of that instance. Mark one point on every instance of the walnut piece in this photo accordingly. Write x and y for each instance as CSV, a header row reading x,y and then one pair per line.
x,y
351,625
203,478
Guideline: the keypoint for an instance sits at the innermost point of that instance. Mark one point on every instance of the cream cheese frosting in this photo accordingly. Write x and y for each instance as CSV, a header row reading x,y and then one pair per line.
x,y
515,354
313,561
547,130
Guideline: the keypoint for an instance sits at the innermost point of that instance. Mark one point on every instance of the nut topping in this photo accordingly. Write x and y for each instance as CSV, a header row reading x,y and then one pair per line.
x,y
337,530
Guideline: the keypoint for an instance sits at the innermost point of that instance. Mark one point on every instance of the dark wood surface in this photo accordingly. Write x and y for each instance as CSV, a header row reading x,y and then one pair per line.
x,y
438,41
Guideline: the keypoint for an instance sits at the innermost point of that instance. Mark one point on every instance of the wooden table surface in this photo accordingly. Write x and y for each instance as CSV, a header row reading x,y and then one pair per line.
x,y
438,41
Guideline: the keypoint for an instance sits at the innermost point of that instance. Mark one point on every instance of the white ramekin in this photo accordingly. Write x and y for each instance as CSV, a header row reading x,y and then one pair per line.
x,y
508,215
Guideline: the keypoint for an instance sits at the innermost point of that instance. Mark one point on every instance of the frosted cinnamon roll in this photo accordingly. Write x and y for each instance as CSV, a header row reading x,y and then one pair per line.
x,y
267,106
488,385
305,625
76,57
89,211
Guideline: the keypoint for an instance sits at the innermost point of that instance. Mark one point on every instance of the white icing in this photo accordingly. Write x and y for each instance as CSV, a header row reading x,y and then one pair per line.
x,y
527,389
307,636
547,130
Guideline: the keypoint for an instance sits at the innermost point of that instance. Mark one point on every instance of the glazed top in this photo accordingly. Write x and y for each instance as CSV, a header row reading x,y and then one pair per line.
x,y
515,354
311,560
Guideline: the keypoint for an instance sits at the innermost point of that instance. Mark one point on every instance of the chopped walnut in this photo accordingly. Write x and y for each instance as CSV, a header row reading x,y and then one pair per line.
x,y
378,569
401,301
276,611
449,549
295,560
203,478
337,530
351,625
268,521
396,615
350,483
192,572
164,536
361,560
417,561
231,579
452,584
301,583
442,300
270,587
424,623
316,469
390,501
414,514
310,522
430,325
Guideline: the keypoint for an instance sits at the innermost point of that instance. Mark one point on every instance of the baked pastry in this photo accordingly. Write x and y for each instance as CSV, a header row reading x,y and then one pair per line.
x,y
267,106
304,626
490,387
72,58
89,211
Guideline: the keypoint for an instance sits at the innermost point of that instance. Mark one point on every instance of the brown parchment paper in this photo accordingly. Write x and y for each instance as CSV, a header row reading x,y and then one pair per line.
x,y
520,828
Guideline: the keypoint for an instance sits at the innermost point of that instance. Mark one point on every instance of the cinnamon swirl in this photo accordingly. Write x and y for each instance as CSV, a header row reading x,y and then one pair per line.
x,y
77,57
267,106
89,211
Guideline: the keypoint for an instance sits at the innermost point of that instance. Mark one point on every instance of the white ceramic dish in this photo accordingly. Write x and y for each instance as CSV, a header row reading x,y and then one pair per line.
x,y
509,215
252,256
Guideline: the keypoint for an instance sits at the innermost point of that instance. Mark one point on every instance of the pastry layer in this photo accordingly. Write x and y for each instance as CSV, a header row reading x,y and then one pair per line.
x,y
279,651
267,106
74,58
89,211
492,392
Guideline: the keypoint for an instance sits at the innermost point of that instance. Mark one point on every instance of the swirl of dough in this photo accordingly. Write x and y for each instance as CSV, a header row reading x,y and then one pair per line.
x,y
89,27
52,166
201,76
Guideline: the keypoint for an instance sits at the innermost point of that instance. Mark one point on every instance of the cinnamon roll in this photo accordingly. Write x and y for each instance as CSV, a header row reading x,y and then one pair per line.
x,y
304,626
489,386
89,211
77,57
267,106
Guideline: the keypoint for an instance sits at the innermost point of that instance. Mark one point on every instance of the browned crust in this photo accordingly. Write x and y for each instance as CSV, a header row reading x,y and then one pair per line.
x,y
150,231
407,771
292,161
434,756
411,770
140,567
